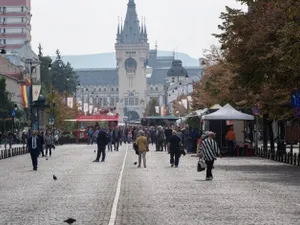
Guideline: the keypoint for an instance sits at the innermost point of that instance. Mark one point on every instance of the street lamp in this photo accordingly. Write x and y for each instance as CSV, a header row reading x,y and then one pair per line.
x,y
52,95
30,94
66,97
13,115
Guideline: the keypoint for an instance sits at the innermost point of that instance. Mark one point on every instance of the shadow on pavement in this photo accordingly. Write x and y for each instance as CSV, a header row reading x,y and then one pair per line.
x,y
280,173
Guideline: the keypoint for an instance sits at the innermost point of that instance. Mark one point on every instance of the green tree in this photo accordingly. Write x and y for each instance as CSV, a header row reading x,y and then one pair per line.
x,y
64,77
46,78
5,105
150,108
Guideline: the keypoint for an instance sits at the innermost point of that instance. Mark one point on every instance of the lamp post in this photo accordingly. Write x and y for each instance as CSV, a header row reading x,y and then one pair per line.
x,y
31,68
66,86
13,115
52,95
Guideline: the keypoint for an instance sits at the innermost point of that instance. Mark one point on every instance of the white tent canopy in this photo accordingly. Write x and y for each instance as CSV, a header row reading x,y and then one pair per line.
x,y
228,113
216,106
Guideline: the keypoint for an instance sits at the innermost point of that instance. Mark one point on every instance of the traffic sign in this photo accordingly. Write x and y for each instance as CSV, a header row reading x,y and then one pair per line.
x,y
13,113
51,121
256,111
295,103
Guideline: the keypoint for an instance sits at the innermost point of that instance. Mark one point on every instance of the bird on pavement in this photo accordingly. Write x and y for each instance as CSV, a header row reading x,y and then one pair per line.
x,y
70,221
54,177
135,163
94,150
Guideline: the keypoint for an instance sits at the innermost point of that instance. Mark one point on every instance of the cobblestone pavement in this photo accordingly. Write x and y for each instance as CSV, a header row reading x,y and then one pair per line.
x,y
244,191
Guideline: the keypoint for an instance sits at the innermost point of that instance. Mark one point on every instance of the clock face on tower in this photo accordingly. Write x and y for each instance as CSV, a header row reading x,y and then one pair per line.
x,y
130,65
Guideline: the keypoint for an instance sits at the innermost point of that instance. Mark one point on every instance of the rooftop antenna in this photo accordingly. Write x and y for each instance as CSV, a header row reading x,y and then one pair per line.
x,y
174,54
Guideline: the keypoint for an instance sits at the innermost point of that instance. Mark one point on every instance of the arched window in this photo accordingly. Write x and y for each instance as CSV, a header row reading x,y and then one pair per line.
x,y
130,65
156,88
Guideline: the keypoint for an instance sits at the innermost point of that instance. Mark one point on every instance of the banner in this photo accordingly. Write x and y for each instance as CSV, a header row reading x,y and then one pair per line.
x,y
185,103
70,102
36,89
85,107
157,109
91,107
25,90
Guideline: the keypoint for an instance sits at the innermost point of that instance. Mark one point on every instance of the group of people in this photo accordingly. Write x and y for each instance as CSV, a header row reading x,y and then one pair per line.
x,y
37,143
170,138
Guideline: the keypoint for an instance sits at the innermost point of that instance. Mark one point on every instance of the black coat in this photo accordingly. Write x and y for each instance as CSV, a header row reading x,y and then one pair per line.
x,y
38,144
102,138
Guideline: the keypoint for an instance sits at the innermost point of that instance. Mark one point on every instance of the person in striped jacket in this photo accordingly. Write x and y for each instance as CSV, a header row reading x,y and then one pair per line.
x,y
210,151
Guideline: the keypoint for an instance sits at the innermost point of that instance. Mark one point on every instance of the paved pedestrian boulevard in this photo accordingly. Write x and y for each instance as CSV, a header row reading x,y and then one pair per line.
x,y
244,190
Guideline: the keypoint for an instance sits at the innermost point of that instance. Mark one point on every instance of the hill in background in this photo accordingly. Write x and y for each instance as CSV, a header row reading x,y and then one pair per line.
x,y
107,60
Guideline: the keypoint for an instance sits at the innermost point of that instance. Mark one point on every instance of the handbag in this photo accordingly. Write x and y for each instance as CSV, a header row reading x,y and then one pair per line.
x,y
201,165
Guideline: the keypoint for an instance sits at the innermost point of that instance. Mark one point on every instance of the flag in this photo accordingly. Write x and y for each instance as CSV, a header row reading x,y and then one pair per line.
x,y
85,107
36,89
27,79
25,90
70,102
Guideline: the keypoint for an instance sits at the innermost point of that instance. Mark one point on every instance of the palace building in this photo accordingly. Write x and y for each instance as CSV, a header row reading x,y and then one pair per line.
x,y
139,74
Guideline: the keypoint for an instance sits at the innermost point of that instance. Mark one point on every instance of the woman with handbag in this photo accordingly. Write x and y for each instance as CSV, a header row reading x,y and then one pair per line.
x,y
210,151
142,145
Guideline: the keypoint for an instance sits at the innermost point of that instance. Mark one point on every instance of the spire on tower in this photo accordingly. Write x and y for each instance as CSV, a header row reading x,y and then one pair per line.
x,y
118,32
156,45
145,29
142,29
131,32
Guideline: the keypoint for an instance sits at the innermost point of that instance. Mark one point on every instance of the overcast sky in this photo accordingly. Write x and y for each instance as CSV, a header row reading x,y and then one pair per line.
x,y
89,26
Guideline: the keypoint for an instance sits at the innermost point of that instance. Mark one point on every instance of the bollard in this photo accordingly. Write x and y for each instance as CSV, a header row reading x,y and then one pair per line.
x,y
291,160
295,159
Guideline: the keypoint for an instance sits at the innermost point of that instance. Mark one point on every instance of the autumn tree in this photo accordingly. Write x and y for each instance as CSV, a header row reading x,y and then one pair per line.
x,y
178,108
217,85
60,111
263,46
150,109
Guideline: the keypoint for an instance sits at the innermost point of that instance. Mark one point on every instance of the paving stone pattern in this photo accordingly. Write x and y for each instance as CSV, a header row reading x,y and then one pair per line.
x,y
244,190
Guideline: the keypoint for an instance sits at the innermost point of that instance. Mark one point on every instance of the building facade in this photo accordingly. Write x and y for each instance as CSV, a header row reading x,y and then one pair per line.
x,y
132,50
13,76
15,27
140,74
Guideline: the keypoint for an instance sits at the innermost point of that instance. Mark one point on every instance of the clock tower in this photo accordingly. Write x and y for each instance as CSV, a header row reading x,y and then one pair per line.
x,y
132,50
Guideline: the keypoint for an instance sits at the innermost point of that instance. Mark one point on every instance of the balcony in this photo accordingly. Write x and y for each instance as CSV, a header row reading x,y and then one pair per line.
x,y
16,35
9,47
17,25
15,14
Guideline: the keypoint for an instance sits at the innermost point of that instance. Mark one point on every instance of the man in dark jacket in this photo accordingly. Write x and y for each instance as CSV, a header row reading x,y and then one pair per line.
x,y
116,138
175,149
102,141
33,144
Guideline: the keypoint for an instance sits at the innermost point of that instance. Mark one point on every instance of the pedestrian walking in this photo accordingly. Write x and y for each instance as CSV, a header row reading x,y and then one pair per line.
x,y
210,151
33,145
110,140
102,141
174,149
42,142
143,148
49,143
230,138
116,138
